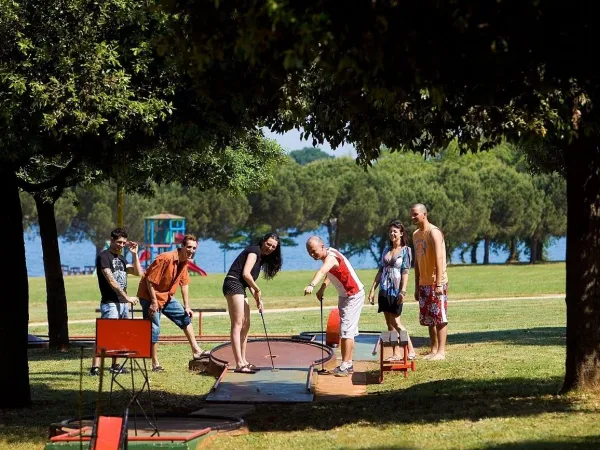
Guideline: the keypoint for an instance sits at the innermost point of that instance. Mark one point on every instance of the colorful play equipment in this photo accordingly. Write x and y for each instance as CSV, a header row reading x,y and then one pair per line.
x,y
162,233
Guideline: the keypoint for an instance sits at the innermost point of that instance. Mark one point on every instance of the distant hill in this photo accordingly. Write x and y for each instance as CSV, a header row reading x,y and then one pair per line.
x,y
308,155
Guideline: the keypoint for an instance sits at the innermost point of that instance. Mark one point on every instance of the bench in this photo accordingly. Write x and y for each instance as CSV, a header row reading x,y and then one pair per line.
x,y
389,339
199,311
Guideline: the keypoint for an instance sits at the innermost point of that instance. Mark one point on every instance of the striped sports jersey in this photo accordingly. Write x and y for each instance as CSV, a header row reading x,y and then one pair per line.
x,y
343,277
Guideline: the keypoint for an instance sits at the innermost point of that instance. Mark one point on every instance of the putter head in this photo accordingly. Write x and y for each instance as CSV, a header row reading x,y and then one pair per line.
x,y
274,369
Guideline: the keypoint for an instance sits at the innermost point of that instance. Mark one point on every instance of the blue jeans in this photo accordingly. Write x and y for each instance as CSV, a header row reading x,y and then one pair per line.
x,y
172,309
114,310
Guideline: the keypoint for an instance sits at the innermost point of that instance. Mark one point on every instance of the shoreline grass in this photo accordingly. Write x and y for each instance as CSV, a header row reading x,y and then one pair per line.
x,y
286,289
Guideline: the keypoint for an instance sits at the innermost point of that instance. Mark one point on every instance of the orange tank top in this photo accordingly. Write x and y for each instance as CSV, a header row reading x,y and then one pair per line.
x,y
425,256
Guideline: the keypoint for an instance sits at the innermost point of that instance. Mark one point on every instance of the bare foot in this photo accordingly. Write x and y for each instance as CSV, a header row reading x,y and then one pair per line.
x,y
438,357
429,355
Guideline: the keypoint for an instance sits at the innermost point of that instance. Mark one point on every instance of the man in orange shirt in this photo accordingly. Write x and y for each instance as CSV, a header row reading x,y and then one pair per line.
x,y
157,287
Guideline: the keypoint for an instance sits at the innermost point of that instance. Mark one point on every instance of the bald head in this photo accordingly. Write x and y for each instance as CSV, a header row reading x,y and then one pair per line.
x,y
418,215
314,239
316,247
420,207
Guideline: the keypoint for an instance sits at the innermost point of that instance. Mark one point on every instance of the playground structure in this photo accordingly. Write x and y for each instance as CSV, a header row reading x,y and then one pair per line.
x,y
162,233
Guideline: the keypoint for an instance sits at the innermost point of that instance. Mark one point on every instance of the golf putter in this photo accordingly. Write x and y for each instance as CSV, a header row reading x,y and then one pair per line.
x,y
273,369
322,370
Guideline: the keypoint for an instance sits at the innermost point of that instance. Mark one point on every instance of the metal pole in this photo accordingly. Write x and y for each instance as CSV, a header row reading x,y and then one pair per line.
x,y
120,204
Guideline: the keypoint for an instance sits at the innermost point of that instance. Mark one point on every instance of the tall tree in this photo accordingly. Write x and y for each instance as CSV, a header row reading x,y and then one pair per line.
x,y
82,81
377,74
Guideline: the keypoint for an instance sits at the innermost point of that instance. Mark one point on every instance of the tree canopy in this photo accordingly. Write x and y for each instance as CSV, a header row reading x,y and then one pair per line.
x,y
83,89
419,75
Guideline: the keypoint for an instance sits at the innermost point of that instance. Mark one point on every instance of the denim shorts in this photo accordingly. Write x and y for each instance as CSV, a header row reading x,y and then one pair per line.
x,y
114,310
172,309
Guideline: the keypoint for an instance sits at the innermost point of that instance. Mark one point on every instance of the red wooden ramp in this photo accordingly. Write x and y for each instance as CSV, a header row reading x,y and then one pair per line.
x,y
109,434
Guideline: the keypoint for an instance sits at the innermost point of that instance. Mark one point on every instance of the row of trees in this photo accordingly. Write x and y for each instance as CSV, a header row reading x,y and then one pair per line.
x,y
122,87
489,197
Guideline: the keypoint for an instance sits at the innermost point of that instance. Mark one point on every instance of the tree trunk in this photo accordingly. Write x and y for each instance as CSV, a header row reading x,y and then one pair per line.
x,y
463,250
583,265
332,231
533,249
486,251
540,251
474,253
56,297
14,376
513,253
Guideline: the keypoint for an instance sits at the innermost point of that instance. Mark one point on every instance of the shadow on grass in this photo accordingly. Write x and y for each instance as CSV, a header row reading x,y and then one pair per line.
x,y
74,353
31,425
585,442
432,402
579,443
427,403
542,336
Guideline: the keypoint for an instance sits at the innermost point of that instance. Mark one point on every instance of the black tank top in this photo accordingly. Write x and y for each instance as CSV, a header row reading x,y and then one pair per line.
x,y
237,267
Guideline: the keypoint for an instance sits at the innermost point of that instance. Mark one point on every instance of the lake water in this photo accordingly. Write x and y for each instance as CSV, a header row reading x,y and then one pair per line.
x,y
211,258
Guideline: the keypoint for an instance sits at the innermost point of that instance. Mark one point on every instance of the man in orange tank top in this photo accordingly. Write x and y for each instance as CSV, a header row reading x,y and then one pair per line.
x,y
431,280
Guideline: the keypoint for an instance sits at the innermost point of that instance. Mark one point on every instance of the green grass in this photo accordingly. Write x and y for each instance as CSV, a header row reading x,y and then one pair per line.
x,y
496,390
286,290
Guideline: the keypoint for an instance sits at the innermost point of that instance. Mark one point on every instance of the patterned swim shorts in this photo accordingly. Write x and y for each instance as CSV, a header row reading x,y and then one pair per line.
x,y
433,309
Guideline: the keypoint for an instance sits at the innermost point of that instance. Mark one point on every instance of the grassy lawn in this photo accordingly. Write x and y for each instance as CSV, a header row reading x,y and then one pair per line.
x,y
286,290
496,390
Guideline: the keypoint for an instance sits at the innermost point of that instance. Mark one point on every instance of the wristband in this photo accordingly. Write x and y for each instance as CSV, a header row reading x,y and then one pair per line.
x,y
311,285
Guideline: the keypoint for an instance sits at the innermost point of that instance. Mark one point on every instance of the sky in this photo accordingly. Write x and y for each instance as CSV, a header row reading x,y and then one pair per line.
x,y
291,141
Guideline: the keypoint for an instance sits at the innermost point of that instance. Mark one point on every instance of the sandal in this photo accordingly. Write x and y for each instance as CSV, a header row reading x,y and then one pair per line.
x,y
158,369
245,369
412,356
203,354
252,367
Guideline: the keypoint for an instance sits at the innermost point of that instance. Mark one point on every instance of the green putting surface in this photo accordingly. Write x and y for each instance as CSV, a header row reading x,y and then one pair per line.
x,y
265,386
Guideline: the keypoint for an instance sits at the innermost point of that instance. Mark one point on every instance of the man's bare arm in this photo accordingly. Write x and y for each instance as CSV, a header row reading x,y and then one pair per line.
x,y
329,263
114,285
136,267
438,240
185,295
416,280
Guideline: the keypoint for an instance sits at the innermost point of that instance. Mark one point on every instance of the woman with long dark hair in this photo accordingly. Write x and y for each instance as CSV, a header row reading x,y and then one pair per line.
x,y
392,278
243,273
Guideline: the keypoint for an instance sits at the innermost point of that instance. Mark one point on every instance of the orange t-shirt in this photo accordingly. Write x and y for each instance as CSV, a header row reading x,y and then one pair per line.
x,y
165,273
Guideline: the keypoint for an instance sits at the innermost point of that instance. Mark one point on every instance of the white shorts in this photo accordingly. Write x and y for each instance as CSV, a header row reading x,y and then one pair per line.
x,y
350,309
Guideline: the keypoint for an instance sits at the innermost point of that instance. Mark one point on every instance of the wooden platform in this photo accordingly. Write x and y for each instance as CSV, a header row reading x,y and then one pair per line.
x,y
332,388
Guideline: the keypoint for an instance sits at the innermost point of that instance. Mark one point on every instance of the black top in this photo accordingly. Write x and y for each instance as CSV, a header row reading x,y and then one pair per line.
x,y
237,267
118,265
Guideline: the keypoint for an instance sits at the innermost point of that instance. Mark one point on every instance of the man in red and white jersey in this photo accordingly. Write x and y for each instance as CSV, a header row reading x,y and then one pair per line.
x,y
351,295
